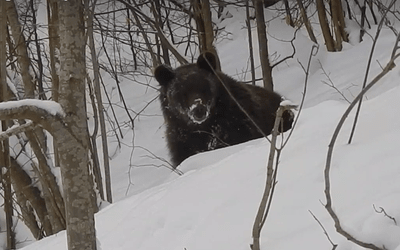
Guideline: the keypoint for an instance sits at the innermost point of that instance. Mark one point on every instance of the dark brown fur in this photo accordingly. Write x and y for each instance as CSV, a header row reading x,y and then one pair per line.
x,y
196,90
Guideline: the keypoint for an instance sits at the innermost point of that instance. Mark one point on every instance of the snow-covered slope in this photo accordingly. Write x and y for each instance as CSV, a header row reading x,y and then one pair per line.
x,y
213,205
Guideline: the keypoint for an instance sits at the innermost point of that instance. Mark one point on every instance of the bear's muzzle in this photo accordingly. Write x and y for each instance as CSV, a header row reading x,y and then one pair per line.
x,y
198,112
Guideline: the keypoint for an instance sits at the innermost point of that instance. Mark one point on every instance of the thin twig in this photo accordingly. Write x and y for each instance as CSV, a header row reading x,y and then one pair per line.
x,y
331,83
275,182
261,213
314,51
368,67
294,50
160,33
323,228
382,211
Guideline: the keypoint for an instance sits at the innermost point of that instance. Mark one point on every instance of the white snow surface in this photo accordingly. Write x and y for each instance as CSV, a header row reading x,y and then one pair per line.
x,y
214,203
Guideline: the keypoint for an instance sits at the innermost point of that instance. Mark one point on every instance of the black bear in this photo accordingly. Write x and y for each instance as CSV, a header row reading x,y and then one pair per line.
x,y
200,114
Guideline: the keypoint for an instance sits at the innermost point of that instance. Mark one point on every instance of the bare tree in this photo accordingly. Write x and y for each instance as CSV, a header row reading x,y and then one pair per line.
x,y
73,150
380,26
323,21
29,200
205,32
263,45
338,24
306,21
100,108
68,127
328,206
4,145
273,163
54,45
51,193
272,170
249,35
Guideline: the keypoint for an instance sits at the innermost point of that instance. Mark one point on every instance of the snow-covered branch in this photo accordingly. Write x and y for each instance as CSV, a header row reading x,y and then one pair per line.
x,y
40,112
16,129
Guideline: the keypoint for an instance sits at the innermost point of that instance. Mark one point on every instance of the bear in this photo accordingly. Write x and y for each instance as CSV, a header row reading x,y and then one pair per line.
x,y
200,114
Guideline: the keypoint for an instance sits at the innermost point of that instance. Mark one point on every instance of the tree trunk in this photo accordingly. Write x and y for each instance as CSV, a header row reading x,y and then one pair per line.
x,y
363,18
100,108
371,8
21,50
54,45
30,202
289,19
323,21
249,34
4,145
342,23
75,176
263,45
306,21
51,192
73,150
6,186
202,15
338,24
156,5
37,138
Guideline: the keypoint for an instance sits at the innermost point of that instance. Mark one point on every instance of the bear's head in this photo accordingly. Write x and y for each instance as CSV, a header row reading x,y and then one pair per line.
x,y
190,90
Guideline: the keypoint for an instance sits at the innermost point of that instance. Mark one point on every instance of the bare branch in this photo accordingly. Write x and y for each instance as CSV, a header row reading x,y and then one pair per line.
x,y
270,183
327,236
313,52
289,56
25,109
330,83
16,129
390,65
369,65
160,33
382,211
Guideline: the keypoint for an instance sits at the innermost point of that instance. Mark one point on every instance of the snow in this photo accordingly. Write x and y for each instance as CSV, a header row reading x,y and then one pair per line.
x,y
214,203
51,107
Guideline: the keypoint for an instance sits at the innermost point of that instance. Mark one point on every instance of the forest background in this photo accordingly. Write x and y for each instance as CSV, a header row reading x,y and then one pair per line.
x,y
82,126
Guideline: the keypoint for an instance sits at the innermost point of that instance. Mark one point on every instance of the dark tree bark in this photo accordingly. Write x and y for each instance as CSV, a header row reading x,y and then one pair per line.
x,y
20,49
263,45
371,8
4,145
306,21
30,201
202,16
363,18
54,45
323,21
157,10
37,138
338,24
249,34
289,18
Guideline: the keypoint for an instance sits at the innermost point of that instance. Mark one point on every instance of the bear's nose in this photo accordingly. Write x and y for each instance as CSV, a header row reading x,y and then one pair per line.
x,y
198,113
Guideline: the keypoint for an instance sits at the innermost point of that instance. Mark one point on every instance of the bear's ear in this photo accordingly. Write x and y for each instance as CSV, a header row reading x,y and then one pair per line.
x,y
207,61
164,74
